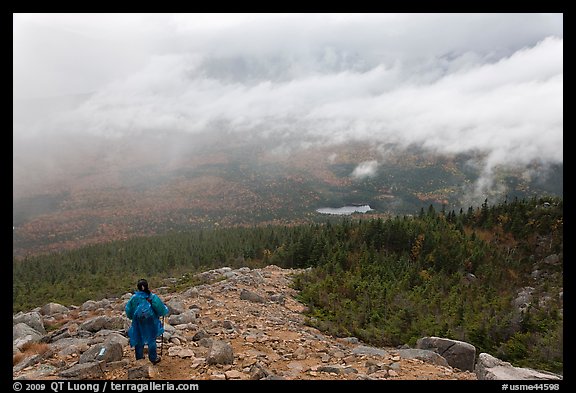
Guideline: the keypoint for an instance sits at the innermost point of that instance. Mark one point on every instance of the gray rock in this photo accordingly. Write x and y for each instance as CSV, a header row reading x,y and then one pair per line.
x,y
23,333
92,305
27,361
104,322
258,371
212,275
349,370
175,307
183,318
116,323
90,370
54,308
351,340
395,366
251,296
490,368
56,335
199,335
553,259
143,371
330,369
186,353
220,353
458,354
253,279
424,355
120,364
40,372
108,336
169,329
274,377
191,293
105,352
523,299
365,350
94,324
279,298
32,319
173,351
205,342
372,369
300,353
69,346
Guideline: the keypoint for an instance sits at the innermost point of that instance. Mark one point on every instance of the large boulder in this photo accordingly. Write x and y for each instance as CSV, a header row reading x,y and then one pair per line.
x,y
94,324
458,354
184,318
251,296
116,322
106,352
32,319
491,368
91,370
92,305
103,322
54,308
109,336
175,307
220,353
23,333
70,345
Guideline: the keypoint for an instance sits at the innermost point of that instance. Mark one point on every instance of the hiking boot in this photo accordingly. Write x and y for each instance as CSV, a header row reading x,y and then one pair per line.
x,y
156,361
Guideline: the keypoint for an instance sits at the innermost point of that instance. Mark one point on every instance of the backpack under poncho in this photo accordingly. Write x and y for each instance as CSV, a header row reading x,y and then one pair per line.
x,y
144,312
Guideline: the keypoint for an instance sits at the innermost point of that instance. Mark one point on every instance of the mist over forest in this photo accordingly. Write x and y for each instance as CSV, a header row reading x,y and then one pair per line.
x,y
109,107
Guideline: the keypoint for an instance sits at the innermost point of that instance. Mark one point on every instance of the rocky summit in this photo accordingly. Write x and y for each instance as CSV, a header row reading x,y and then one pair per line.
x,y
244,324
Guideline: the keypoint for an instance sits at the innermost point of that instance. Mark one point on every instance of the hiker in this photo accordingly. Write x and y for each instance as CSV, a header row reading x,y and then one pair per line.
x,y
145,309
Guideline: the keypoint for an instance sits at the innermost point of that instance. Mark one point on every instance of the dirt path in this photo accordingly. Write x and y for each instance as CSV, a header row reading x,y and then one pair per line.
x,y
256,313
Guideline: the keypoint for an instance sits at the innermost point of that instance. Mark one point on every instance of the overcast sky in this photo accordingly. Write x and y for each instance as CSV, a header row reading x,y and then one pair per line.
x,y
447,82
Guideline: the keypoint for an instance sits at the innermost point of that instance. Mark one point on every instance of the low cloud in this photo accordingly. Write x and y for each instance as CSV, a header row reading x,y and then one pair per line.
x,y
365,169
509,109
488,83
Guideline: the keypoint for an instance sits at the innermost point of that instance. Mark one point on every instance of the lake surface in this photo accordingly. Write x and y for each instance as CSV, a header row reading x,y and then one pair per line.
x,y
345,210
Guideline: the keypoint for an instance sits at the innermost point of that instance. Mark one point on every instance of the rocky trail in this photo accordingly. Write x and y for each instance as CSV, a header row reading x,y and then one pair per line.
x,y
243,324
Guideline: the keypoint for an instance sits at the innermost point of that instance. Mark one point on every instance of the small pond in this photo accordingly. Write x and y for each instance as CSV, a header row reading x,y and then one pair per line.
x,y
345,210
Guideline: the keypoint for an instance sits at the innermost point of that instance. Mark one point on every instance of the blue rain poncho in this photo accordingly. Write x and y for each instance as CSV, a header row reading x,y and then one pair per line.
x,y
145,333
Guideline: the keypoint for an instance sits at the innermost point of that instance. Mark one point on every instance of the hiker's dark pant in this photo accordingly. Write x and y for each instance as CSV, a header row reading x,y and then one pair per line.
x,y
152,352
